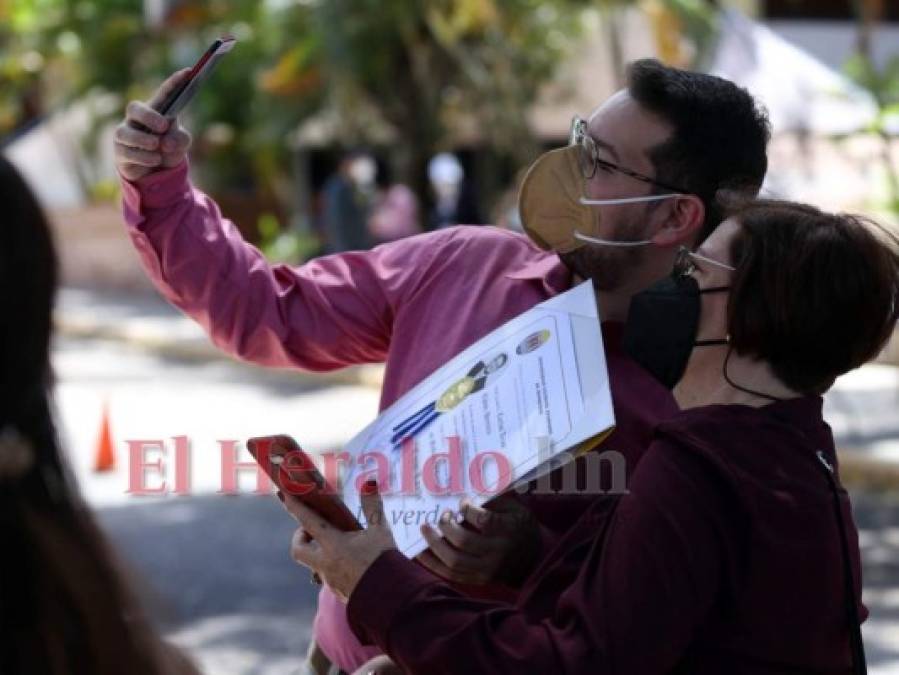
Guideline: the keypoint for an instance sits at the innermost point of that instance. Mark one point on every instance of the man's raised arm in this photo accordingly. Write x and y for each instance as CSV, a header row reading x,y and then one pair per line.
x,y
331,312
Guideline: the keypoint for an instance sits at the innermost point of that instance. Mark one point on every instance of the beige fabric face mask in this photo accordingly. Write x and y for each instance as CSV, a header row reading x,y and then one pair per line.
x,y
549,201
555,213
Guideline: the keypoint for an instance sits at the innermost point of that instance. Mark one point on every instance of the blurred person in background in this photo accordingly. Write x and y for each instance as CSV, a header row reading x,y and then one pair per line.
x,y
454,199
395,215
65,606
734,548
347,198
505,212
637,181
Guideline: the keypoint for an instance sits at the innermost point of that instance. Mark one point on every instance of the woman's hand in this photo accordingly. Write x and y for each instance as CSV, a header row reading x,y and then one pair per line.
x,y
480,554
340,558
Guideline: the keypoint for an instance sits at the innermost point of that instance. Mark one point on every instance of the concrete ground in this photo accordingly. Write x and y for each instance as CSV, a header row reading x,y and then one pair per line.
x,y
214,569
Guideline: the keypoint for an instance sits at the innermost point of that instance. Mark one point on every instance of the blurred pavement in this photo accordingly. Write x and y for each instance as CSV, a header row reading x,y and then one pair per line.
x,y
146,321
214,569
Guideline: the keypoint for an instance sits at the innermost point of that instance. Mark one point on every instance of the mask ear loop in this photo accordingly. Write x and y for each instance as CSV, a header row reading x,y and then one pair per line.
x,y
623,200
608,242
727,379
717,263
628,200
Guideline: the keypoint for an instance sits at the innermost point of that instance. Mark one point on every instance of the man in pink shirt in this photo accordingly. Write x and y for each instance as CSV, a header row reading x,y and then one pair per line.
x,y
654,156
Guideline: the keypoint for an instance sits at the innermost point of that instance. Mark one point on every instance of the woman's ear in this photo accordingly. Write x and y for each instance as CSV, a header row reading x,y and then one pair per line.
x,y
682,224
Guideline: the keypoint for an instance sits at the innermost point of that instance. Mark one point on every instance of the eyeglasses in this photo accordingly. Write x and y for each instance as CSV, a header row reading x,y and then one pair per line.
x,y
685,265
588,158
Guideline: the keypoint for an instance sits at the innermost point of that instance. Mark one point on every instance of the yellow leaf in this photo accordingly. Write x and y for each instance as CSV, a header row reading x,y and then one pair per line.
x,y
666,31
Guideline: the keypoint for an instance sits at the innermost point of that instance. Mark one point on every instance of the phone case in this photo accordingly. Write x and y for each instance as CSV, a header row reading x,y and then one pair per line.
x,y
294,472
180,97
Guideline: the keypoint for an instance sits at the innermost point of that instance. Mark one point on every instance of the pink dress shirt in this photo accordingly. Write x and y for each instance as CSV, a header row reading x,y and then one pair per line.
x,y
412,304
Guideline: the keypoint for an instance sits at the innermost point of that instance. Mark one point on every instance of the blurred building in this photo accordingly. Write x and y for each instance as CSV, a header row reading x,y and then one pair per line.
x,y
792,57
802,93
828,29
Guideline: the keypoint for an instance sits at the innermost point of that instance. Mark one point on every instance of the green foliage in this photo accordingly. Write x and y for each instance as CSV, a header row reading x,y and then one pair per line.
x,y
420,70
71,48
883,85
700,25
106,191
429,67
283,244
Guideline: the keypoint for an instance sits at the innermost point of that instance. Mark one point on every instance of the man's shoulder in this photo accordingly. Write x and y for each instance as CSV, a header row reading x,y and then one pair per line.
x,y
748,441
479,255
487,245
482,235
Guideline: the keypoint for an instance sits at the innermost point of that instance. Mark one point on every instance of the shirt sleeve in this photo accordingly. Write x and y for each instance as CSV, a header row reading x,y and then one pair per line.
x,y
546,536
643,590
331,312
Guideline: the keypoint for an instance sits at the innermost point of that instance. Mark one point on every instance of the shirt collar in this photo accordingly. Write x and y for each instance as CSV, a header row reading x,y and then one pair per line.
x,y
804,412
546,268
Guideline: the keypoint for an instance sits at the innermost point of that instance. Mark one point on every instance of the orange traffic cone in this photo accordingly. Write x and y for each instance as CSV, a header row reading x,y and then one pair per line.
x,y
105,456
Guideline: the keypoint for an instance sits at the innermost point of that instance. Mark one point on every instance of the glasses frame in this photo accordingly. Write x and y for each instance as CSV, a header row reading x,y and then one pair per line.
x,y
579,137
684,264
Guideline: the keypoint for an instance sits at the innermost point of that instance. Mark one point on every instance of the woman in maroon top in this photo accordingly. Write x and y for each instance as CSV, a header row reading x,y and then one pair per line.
x,y
734,549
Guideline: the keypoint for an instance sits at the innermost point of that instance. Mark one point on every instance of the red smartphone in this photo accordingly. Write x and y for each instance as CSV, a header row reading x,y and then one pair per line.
x,y
181,96
294,472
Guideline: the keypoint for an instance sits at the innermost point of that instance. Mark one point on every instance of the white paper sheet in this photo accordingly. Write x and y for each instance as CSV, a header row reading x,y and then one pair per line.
x,y
479,423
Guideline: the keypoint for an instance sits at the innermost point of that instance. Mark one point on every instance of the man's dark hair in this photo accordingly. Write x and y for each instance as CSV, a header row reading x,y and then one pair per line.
x,y
814,294
720,134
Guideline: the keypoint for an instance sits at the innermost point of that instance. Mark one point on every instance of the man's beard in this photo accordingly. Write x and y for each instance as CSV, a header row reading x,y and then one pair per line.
x,y
609,266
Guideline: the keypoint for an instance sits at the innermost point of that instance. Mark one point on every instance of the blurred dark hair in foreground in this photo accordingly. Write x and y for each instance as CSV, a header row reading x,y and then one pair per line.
x,y
66,607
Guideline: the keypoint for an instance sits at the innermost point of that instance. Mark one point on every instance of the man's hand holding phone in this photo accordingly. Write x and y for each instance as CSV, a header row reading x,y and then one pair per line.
x,y
150,139
147,141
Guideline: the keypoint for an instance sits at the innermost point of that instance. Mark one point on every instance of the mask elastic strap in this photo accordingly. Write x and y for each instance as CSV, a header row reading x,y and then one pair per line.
x,y
609,242
623,200
717,263
710,343
628,200
737,386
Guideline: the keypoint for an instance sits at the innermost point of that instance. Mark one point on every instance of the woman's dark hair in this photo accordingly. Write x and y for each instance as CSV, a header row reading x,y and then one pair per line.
x,y
719,139
64,606
814,294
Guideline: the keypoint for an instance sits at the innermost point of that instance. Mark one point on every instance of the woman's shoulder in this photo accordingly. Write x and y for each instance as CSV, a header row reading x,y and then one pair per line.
x,y
772,441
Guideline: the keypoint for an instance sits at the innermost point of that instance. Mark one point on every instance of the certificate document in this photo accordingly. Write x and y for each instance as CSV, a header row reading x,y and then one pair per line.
x,y
496,414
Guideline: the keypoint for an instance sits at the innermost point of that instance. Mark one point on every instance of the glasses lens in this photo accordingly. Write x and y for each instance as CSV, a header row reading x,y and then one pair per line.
x,y
587,156
585,159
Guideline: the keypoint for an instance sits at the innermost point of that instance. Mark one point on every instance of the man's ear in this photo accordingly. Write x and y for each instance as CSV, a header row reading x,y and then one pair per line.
x,y
683,223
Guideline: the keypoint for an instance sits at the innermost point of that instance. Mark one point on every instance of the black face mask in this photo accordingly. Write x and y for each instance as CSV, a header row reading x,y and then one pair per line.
x,y
660,333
